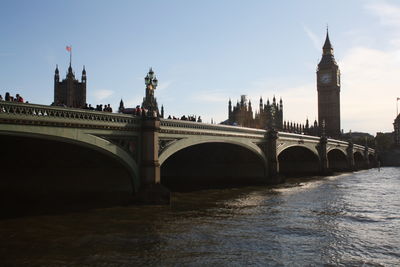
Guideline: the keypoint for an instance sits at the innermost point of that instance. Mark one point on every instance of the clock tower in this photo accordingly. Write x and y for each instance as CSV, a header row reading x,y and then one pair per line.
x,y
328,86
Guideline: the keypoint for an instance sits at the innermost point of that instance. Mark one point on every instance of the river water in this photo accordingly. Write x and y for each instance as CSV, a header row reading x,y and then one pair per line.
x,y
350,219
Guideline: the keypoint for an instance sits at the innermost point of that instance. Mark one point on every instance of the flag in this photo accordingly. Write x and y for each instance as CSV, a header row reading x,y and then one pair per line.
x,y
69,48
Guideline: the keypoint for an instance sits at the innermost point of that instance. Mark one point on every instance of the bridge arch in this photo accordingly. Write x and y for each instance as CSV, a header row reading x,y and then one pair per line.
x,y
79,138
178,145
337,160
211,162
298,160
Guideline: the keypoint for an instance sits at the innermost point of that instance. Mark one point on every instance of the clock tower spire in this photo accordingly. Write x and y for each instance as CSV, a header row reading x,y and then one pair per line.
x,y
328,87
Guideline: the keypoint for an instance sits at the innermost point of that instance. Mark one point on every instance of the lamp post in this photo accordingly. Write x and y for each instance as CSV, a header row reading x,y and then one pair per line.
x,y
149,102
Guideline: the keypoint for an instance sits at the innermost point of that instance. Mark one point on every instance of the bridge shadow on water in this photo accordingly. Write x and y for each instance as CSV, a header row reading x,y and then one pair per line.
x,y
50,177
212,166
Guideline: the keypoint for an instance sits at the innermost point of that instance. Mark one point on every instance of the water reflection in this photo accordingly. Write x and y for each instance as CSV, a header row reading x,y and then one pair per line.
x,y
349,220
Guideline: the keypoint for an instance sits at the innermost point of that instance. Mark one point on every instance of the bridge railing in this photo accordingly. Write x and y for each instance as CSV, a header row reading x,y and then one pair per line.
x,y
205,127
286,135
23,113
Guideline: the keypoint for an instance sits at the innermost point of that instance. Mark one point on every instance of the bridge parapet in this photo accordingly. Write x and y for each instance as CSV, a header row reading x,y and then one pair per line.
x,y
196,128
33,114
298,137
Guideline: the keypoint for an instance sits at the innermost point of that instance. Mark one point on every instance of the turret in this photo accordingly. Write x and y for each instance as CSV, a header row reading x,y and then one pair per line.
x,y
56,74
70,74
84,74
121,106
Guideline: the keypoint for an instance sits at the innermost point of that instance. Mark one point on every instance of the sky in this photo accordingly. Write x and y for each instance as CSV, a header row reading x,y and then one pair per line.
x,y
205,52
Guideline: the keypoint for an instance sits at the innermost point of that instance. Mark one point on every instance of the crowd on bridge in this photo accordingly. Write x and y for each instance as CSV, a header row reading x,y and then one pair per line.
x,y
101,107
10,98
186,118
106,108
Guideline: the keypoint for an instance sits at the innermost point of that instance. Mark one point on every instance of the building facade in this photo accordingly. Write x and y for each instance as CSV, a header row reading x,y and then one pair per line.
x,y
328,87
396,134
70,92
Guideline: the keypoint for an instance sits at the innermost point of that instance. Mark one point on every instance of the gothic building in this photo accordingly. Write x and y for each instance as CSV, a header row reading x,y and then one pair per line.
x,y
270,115
328,87
70,92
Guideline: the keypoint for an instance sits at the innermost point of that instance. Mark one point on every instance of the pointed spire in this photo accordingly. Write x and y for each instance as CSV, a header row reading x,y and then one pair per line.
x,y
121,106
327,48
57,71
83,71
69,69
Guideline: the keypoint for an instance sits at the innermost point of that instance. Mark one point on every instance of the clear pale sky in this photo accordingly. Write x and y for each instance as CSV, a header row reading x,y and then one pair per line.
x,y
205,52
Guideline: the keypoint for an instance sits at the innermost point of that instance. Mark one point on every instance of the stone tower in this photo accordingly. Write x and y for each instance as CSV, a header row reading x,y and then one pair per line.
x,y
328,86
70,92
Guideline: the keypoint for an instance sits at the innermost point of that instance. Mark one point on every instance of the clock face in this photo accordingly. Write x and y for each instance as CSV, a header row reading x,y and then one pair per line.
x,y
325,78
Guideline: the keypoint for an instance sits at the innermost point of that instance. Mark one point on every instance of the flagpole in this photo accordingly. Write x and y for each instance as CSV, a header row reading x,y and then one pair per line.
x,y
397,107
70,55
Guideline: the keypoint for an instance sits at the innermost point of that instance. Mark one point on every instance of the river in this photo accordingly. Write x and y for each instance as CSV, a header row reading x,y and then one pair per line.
x,y
351,219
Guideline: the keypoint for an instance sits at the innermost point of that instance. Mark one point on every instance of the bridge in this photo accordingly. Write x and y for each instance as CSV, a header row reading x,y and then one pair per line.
x,y
151,150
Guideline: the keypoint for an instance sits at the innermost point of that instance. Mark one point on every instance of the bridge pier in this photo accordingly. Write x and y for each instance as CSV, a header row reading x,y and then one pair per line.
x,y
151,191
350,156
367,163
323,155
273,176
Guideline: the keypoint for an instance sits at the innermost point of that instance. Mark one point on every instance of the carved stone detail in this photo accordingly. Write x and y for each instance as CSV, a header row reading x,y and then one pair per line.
x,y
164,143
127,143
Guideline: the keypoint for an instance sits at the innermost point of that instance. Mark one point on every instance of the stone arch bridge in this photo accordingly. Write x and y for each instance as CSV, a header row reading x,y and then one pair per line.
x,y
142,144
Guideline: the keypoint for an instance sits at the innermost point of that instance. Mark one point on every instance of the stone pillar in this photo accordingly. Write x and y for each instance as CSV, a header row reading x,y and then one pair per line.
x,y
350,157
377,163
323,155
366,158
272,161
151,191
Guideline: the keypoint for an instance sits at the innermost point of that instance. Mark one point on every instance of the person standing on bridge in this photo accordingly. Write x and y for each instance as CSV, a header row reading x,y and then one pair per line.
x,y
19,98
